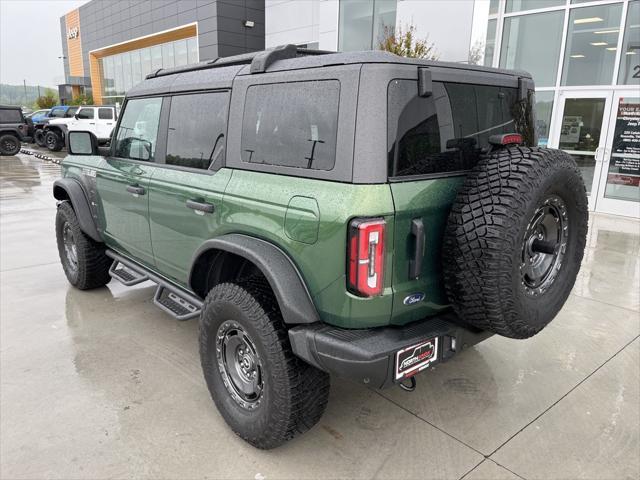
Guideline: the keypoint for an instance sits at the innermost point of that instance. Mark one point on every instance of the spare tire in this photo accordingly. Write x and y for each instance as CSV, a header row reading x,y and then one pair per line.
x,y
514,240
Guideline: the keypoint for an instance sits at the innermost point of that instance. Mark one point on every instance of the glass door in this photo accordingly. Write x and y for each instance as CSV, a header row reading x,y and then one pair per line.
x,y
619,189
581,131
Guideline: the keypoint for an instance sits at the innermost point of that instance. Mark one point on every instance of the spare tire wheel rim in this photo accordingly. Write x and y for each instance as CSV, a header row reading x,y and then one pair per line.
x,y
544,246
239,364
70,249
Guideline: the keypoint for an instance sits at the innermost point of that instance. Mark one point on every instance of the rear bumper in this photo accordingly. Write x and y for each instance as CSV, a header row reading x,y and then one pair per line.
x,y
368,356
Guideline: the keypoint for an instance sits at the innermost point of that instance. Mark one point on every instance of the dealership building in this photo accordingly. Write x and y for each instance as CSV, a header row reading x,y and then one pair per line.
x,y
584,56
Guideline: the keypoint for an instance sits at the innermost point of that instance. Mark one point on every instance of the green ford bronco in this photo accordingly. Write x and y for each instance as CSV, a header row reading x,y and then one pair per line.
x,y
355,214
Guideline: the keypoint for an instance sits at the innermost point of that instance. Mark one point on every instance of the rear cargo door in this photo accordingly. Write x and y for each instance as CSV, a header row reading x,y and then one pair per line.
x,y
433,141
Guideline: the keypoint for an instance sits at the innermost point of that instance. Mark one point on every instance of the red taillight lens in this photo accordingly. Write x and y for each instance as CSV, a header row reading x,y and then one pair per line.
x,y
366,256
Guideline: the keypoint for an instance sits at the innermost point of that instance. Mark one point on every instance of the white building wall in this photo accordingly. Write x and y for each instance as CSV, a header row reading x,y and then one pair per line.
x,y
448,24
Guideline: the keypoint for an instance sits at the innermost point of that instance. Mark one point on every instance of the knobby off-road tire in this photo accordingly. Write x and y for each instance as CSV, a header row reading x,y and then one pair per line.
x,y
516,203
289,395
9,144
83,259
39,138
53,141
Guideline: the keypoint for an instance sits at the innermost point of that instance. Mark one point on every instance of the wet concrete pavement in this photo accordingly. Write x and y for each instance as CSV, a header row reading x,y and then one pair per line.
x,y
103,384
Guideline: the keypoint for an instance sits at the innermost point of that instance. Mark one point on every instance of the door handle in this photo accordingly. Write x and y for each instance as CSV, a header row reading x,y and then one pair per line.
x,y
415,265
135,189
200,206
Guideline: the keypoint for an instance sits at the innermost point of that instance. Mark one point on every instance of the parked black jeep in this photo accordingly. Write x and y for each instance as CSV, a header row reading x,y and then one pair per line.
x,y
14,129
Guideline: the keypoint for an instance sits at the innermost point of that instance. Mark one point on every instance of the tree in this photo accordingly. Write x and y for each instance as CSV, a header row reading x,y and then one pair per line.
x,y
476,53
403,42
82,100
46,101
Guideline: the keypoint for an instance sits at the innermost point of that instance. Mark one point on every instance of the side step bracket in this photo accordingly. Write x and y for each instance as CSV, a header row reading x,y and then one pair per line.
x,y
175,301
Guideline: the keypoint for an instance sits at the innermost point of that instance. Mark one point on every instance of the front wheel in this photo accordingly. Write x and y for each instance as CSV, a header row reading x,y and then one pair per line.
x,y
83,260
265,393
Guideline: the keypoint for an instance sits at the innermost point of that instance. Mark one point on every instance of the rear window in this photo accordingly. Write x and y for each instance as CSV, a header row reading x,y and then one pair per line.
x,y
105,114
10,115
291,124
447,131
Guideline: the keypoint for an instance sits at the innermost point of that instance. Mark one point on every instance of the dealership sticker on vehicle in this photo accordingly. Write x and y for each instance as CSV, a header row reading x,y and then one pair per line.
x,y
416,358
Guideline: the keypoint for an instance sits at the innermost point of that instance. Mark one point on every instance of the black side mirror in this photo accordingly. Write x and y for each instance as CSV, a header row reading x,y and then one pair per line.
x,y
82,143
76,116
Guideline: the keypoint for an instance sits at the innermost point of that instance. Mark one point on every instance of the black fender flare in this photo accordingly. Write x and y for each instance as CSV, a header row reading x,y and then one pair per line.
x,y
283,276
71,190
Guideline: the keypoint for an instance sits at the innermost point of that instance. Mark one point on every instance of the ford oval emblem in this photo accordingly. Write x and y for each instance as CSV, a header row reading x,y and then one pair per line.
x,y
414,298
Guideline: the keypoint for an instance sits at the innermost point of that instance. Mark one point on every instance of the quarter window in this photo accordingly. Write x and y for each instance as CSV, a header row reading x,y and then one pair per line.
x,y
291,124
86,114
447,131
138,131
197,126
105,114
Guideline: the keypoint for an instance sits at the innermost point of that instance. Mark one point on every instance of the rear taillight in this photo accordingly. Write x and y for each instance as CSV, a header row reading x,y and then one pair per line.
x,y
366,256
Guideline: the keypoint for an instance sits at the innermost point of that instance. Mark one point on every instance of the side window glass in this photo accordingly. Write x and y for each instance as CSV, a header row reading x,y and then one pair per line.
x,y
56,113
85,114
197,126
291,124
105,114
137,134
447,131
71,112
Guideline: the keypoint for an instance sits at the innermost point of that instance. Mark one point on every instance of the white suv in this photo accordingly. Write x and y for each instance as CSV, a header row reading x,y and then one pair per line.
x,y
98,120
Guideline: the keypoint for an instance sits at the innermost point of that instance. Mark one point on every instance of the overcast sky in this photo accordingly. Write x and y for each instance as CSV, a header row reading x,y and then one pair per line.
x,y
30,41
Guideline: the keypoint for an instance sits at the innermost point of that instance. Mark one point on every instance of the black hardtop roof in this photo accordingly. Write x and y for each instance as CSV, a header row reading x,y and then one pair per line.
x,y
219,73
11,107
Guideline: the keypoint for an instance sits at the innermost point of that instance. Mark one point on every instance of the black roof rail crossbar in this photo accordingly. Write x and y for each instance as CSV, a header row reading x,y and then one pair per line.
x,y
260,61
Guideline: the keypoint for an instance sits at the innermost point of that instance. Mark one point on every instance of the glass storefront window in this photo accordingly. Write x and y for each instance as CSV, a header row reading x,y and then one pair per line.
x,y
168,58
629,73
122,71
490,43
156,57
520,5
592,43
532,43
127,82
180,49
494,5
192,49
362,23
145,61
543,108
117,77
136,69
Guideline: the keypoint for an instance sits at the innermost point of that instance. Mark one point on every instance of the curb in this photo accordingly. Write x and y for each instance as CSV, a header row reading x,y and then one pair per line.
x,y
40,156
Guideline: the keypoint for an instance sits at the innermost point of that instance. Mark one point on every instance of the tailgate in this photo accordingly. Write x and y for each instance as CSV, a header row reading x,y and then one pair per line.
x,y
417,273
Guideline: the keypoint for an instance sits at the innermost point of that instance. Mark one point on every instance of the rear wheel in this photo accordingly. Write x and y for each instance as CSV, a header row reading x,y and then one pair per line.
x,y
53,141
515,240
9,144
39,138
265,393
83,260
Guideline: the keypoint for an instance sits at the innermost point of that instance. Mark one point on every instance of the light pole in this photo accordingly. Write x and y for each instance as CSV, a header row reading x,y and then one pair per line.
x,y
63,58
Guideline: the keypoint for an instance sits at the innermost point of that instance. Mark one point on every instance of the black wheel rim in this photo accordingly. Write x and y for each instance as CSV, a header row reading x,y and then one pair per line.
x,y
239,364
51,141
544,246
70,248
9,146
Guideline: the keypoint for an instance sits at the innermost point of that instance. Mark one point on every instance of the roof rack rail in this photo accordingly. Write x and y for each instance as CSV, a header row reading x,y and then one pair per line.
x,y
259,61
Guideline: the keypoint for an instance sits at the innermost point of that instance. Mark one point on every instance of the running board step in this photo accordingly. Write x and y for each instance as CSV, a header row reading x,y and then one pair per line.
x,y
178,306
125,274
